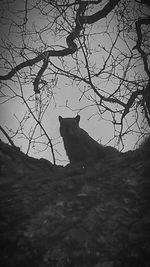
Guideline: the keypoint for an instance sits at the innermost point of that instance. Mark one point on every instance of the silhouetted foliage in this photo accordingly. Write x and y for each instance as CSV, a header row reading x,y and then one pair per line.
x,y
74,216
101,48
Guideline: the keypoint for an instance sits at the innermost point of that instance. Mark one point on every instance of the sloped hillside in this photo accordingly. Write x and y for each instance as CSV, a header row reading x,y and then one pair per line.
x,y
72,216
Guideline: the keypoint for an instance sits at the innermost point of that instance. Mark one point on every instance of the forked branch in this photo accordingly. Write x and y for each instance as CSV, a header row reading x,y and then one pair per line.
x,y
80,20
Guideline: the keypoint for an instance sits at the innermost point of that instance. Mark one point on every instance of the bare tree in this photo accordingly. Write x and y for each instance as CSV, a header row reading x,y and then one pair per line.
x,y
102,47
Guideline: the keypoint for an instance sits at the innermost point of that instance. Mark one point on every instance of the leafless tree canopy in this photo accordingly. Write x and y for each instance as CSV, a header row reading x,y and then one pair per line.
x,y
101,47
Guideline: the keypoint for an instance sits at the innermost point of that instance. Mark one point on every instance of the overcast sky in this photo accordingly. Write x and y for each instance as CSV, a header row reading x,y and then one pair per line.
x,y
101,130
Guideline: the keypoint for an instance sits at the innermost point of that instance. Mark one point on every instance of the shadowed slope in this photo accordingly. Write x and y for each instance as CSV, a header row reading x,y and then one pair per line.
x,y
72,216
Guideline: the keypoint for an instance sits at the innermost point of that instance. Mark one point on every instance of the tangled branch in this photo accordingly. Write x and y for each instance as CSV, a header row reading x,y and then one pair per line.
x,y
144,56
80,20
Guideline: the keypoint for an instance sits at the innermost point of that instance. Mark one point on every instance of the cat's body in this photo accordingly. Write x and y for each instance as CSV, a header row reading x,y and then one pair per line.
x,y
79,146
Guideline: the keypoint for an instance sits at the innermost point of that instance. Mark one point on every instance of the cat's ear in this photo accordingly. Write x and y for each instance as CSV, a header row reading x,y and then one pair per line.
x,y
60,118
77,118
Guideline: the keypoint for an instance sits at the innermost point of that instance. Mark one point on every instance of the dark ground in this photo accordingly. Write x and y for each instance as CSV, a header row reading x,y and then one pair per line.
x,y
72,216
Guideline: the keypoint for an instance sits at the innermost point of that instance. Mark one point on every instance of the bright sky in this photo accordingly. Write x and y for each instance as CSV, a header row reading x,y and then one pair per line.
x,y
98,128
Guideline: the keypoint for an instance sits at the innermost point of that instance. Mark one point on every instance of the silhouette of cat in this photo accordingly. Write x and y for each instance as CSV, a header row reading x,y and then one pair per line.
x,y
79,146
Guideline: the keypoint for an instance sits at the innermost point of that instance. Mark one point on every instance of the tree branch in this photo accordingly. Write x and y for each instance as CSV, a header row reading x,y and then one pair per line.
x,y
131,101
72,47
7,136
146,92
39,75
138,24
100,14
31,62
